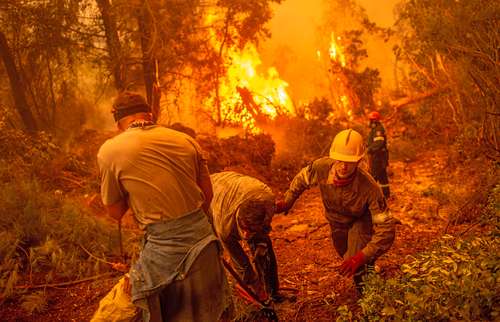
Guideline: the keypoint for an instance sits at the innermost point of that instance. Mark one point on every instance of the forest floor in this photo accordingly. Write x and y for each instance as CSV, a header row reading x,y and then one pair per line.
x,y
305,254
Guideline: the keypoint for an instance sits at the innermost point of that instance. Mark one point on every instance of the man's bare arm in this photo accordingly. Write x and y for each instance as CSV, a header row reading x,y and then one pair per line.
x,y
206,187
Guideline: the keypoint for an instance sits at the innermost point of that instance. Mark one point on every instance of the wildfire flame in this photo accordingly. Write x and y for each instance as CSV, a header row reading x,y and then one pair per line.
x,y
336,53
247,96
342,89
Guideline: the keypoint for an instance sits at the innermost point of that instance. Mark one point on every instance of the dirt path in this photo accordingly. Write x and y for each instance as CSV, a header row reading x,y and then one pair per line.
x,y
304,251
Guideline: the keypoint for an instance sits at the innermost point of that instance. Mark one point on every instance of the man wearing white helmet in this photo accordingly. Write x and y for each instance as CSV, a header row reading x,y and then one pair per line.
x,y
361,225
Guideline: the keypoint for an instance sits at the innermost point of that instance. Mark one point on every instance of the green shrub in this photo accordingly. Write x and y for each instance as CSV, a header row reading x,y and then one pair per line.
x,y
41,238
456,280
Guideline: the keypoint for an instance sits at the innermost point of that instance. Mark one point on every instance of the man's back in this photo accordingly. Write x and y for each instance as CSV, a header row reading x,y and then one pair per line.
x,y
231,190
157,168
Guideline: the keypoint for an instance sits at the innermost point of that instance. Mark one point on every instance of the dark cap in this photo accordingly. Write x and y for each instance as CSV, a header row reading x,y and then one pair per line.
x,y
128,103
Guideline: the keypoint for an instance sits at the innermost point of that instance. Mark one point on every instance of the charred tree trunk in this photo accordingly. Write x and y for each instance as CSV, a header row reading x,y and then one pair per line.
x,y
417,97
149,63
18,90
220,68
113,43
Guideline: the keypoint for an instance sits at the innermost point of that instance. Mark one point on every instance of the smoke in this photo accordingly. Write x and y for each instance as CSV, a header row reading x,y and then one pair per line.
x,y
292,48
301,28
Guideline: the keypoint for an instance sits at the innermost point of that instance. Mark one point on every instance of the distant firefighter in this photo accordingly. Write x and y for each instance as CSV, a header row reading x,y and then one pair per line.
x,y
242,210
378,154
361,225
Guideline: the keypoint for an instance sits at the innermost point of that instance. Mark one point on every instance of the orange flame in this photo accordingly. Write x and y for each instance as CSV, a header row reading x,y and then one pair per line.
x,y
247,96
344,99
340,88
336,52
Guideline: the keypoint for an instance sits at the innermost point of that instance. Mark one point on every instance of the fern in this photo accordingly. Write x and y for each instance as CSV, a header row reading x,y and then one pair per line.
x,y
34,302
42,233
9,282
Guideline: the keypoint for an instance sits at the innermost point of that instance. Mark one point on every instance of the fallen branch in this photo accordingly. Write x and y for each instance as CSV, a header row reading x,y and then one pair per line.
x,y
78,183
95,257
121,267
417,97
470,227
69,283
289,282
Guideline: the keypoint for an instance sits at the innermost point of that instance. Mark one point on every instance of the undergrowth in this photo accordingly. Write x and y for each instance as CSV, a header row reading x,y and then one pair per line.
x,y
45,235
455,280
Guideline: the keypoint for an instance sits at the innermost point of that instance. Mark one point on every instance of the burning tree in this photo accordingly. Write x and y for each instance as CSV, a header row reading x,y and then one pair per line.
x,y
351,90
245,97
242,95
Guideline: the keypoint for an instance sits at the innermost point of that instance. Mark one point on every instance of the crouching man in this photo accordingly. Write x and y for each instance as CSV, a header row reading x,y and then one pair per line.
x,y
242,209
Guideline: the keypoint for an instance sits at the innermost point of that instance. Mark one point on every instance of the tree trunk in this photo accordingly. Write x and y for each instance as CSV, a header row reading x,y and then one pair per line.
x,y
149,63
417,97
18,91
113,43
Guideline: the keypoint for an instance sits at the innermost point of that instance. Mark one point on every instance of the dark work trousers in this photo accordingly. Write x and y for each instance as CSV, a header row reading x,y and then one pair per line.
x,y
348,239
265,264
378,170
187,299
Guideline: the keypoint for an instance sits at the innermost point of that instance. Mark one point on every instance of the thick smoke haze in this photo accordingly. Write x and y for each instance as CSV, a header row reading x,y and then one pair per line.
x,y
298,31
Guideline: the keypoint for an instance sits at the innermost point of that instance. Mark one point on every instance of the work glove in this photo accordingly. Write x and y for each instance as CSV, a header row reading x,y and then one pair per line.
x,y
280,206
351,265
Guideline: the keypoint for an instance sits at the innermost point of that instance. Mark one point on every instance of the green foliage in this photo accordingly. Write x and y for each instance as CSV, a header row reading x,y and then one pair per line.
x,y
454,45
456,280
43,234
364,83
247,19
49,41
14,144
319,109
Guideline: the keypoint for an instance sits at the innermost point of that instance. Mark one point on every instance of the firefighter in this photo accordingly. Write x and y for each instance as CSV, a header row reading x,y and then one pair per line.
x,y
162,175
242,210
378,155
362,228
